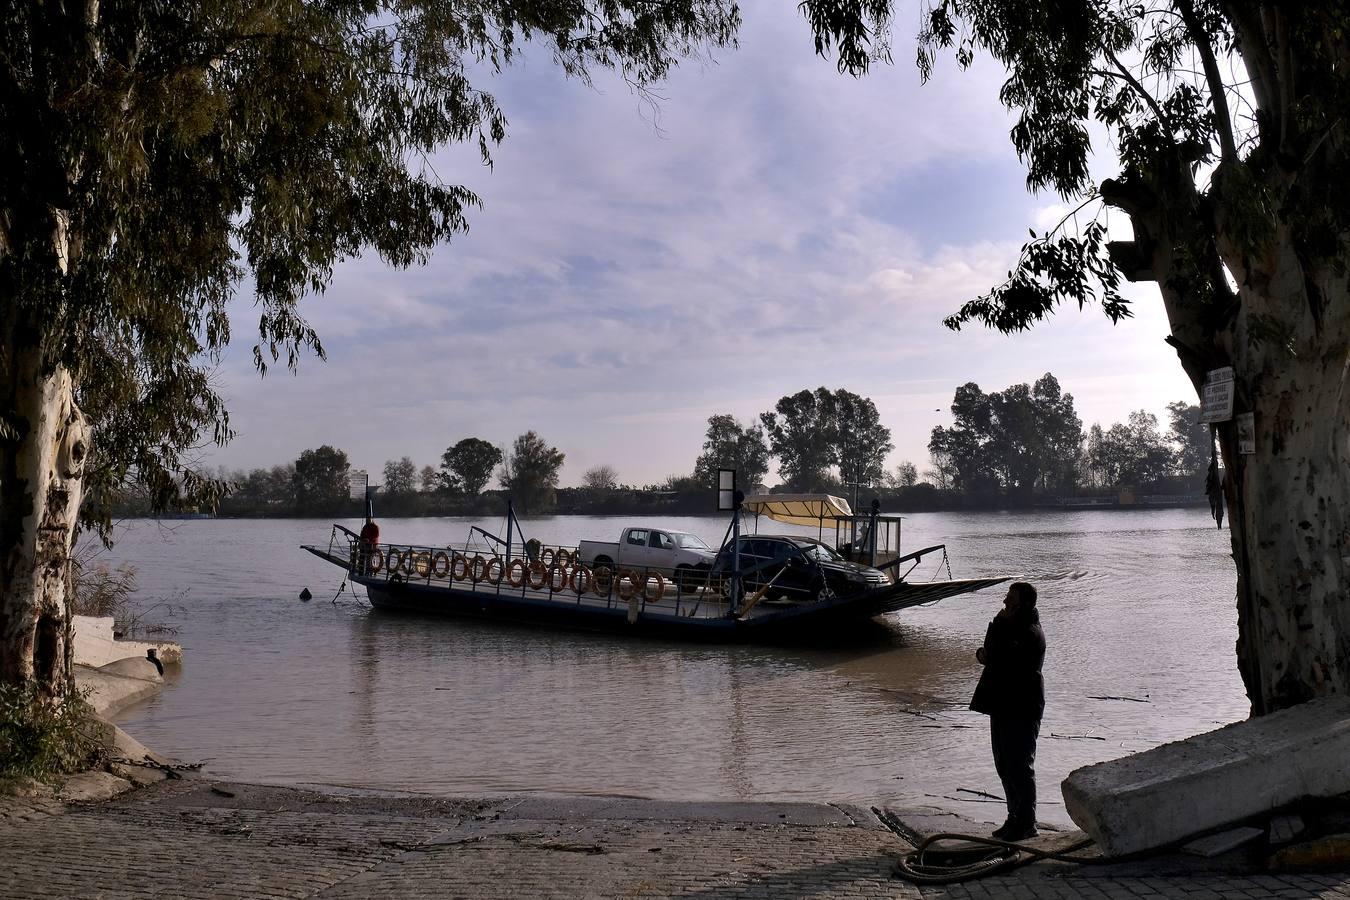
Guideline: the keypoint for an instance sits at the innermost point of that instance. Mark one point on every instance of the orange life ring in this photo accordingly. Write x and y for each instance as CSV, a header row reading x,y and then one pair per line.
x,y
546,555
653,597
562,558
557,579
580,580
494,565
408,561
477,568
632,579
459,567
440,564
536,568
393,560
376,561
511,579
602,579
422,564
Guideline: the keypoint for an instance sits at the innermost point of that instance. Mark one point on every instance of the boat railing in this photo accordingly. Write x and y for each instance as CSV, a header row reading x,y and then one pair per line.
x,y
550,573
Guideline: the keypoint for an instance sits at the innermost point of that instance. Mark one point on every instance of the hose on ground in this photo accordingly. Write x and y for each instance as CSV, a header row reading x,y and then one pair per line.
x,y
1006,855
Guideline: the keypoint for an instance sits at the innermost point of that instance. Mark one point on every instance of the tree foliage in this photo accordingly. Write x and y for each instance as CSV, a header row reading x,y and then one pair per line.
x,y
320,482
812,431
730,445
1192,439
1015,440
468,465
400,476
158,155
530,473
601,478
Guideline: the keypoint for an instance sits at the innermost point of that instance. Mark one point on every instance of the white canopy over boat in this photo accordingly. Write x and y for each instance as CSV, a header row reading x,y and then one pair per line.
x,y
798,509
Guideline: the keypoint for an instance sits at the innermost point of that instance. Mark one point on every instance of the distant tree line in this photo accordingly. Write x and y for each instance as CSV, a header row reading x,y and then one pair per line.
x,y
1003,448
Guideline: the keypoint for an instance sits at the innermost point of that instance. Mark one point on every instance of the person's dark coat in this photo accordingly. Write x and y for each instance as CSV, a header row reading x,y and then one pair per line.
x,y
1014,649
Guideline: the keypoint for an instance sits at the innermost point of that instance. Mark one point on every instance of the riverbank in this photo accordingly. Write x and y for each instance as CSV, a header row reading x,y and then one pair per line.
x,y
197,838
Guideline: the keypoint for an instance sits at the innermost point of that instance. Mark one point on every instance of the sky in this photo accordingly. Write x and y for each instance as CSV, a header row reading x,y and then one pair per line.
x,y
763,224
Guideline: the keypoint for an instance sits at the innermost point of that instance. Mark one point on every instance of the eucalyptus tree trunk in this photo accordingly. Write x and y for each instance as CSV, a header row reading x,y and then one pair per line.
x,y
1289,500
1286,334
41,470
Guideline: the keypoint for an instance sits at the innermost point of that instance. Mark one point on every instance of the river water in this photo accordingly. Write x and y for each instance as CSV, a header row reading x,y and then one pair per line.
x,y
1136,605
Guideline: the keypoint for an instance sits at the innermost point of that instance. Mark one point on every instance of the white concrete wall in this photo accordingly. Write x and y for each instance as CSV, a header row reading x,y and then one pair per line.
x,y
95,645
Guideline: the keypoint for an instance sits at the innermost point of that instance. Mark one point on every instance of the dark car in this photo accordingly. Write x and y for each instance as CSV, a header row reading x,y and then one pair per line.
x,y
805,569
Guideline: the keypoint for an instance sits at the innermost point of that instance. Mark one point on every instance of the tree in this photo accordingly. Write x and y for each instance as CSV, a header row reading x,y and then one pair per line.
x,y
1192,441
320,486
729,445
157,155
429,480
400,478
531,473
801,434
1015,440
468,465
601,478
1241,219
861,442
906,474
1130,454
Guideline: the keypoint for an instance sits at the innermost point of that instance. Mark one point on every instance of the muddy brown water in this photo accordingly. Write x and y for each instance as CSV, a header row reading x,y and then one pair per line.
x,y
1138,610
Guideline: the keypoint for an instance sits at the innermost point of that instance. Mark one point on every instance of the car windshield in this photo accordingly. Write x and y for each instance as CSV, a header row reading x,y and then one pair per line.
x,y
819,551
690,542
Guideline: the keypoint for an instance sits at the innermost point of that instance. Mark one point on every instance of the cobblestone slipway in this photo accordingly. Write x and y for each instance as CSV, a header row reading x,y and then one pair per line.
x,y
194,838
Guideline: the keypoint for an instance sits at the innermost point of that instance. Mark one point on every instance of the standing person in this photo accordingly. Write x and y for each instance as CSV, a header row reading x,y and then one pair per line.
x,y
1012,694
370,539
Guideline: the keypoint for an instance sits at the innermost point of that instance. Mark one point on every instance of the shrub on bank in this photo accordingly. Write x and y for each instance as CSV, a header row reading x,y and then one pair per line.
x,y
41,738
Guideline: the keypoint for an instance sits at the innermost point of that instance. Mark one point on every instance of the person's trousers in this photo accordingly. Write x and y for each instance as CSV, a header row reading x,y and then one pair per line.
x,y
1014,740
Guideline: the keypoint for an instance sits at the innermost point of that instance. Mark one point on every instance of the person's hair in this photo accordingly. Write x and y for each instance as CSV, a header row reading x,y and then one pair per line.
x,y
1025,591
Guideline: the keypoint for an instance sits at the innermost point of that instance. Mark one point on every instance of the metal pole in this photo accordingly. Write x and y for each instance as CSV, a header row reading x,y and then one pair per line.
x,y
736,554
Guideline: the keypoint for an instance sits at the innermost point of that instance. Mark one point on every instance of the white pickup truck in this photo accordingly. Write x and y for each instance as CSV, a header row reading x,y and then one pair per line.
x,y
658,549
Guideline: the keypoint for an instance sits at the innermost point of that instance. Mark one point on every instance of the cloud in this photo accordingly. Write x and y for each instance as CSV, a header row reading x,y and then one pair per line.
x,y
770,225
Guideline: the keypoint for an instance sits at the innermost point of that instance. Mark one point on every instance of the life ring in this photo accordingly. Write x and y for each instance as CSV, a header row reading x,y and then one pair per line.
x,y
408,561
495,570
546,556
557,579
422,564
562,558
632,581
536,569
459,567
440,564
602,580
653,596
580,580
477,568
517,565
376,561
394,559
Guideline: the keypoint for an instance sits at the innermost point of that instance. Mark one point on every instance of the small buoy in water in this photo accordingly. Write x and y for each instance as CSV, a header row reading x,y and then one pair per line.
x,y
306,595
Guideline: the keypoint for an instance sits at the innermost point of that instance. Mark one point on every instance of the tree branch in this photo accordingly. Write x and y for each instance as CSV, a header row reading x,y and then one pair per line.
x,y
1217,90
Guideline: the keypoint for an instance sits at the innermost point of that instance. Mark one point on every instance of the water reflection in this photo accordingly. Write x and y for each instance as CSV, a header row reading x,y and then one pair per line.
x,y
1134,605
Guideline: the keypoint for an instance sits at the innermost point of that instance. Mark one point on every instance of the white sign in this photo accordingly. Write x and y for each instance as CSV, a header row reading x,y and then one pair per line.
x,y
1217,403
726,489
357,480
1246,433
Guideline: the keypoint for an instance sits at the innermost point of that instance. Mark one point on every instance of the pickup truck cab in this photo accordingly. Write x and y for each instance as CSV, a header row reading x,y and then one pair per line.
x,y
649,548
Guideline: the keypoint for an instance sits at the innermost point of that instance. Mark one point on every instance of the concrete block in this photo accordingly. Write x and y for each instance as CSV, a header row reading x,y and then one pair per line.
x,y
1215,844
92,786
1164,795
94,644
109,692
